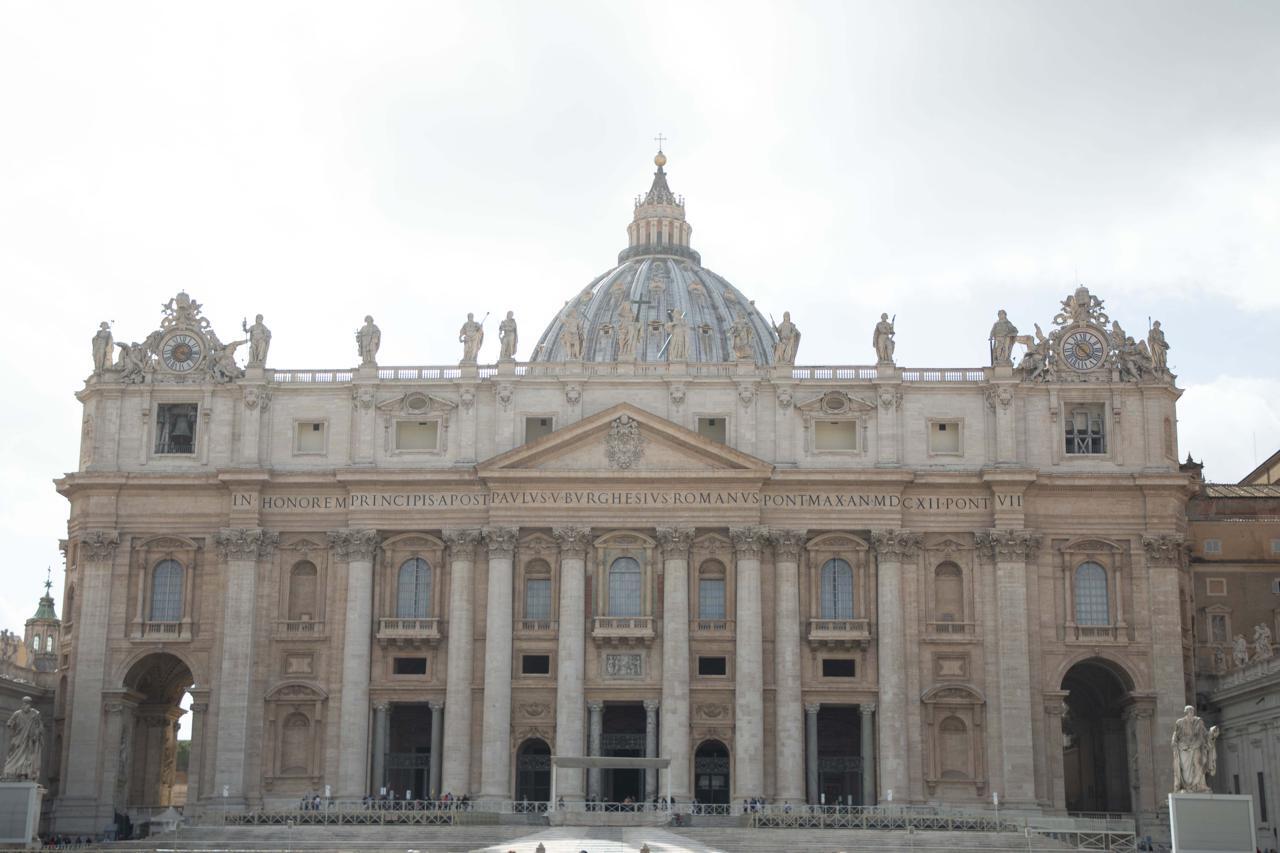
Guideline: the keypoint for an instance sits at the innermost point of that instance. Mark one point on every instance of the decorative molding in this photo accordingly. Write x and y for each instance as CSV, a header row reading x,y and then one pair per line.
x,y
866,708
746,394
787,544
675,541
999,397
812,708
574,541
573,393
624,445
501,541
1165,549
895,545
534,709
362,398
352,545
462,542
1009,545
749,541
890,397
651,706
505,392
677,394
713,711
99,546
245,543
784,398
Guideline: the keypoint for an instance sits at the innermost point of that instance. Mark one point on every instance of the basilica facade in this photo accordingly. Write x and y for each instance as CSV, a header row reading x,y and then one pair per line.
x,y
658,536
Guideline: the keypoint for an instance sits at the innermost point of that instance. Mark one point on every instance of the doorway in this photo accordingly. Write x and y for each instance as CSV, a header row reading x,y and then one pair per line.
x,y
1095,762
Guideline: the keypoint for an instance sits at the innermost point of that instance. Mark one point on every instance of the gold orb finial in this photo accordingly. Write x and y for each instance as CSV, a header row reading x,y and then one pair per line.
x,y
660,159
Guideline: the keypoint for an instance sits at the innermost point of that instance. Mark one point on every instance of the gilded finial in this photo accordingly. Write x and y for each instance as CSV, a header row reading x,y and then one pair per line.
x,y
660,159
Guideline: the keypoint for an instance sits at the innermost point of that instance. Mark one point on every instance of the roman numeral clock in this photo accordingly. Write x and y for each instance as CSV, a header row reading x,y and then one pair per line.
x,y
1083,349
181,352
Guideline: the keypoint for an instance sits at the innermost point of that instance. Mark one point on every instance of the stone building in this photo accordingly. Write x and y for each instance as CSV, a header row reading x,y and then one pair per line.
x,y
659,536
29,667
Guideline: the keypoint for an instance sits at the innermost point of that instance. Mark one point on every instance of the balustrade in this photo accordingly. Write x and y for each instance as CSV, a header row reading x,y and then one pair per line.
x,y
623,629
839,632
408,630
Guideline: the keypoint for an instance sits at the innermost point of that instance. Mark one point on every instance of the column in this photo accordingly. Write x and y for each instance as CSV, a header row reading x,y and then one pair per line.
x,y
195,758
437,749
1012,551
597,727
357,548
867,710
94,557
1054,708
571,656
1164,557
892,547
748,688
674,732
120,721
455,776
240,549
495,747
788,723
811,751
650,748
379,746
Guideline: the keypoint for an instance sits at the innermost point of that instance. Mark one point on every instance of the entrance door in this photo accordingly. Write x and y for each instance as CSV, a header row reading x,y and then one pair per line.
x,y
711,773
839,755
533,772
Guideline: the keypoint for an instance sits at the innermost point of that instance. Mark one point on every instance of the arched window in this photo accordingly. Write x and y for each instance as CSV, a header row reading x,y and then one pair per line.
x,y
625,587
837,590
413,592
302,591
1092,606
295,744
948,593
954,748
166,592
711,597
48,643
35,646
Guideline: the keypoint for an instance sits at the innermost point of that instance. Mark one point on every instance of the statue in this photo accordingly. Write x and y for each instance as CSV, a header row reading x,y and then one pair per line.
x,y
471,336
26,744
1194,753
259,341
1219,660
1261,642
507,338
882,340
1035,361
222,360
368,339
1158,348
677,336
1002,337
133,363
784,351
740,337
571,335
1239,651
628,333
103,347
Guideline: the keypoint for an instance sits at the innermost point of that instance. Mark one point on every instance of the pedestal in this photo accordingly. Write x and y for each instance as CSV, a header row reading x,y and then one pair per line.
x,y
1212,823
20,813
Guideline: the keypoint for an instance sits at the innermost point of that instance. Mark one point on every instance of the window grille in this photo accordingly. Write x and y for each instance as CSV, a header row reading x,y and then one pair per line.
x,y
1085,432
413,596
1092,605
1218,628
711,598
837,590
537,598
166,592
176,427
625,587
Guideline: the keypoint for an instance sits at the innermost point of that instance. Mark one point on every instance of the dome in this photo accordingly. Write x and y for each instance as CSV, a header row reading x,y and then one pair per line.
x,y
623,314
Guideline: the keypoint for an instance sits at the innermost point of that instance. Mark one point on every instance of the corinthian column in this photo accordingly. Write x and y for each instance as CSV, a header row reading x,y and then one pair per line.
x,y
240,549
748,686
674,731
788,718
1165,556
1013,551
495,751
571,656
455,771
356,548
892,548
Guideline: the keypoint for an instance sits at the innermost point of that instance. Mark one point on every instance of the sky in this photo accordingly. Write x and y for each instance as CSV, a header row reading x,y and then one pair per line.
x,y
316,162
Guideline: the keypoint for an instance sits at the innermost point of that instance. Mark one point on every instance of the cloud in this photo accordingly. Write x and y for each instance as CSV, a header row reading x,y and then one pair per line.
x,y
1231,424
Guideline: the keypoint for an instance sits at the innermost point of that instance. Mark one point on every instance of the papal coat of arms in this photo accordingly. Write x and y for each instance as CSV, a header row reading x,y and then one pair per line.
x,y
624,445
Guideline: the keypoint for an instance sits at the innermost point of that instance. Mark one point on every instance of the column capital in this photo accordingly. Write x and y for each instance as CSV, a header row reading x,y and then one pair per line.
x,y
462,542
99,546
651,705
354,544
501,540
381,707
787,543
895,545
1009,544
749,541
574,541
675,541
245,543
199,707
1165,549
435,706
812,708
595,707
866,709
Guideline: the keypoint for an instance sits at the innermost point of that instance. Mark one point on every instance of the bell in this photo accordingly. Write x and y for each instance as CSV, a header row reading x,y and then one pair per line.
x,y
181,427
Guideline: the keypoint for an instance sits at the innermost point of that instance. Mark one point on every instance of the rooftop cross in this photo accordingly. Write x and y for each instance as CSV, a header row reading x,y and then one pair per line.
x,y
659,139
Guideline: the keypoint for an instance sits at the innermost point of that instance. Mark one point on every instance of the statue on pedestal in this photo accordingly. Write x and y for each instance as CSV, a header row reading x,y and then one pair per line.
x,y
1261,642
471,336
103,347
882,340
259,341
628,333
368,339
26,744
1194,753
1158,347
678,337
508,338
1002,337
1239,651
740,337
784,351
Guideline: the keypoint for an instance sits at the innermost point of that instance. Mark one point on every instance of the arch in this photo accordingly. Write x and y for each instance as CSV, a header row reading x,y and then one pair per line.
x,y
1095,738
711,773
625,539
954,690
533,771
1104,659
127,671
168,542
413,589
294,688
411,541
148,737
537,590
954,749
303,581
1090,593
836,598
837,540
948,592
712,583
167,579
48,643
626,587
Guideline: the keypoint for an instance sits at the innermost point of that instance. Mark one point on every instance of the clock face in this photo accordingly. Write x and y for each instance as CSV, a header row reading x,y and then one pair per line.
x,y
1084,350
181,352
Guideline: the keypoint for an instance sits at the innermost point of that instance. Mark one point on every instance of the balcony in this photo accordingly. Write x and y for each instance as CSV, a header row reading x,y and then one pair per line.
x,y
623,630
299,629
951,632
163,631
408,632
711,629
1093,634
536,627
840,633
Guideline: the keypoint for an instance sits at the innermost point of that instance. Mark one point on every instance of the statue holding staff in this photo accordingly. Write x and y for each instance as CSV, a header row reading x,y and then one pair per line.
x,y
26,743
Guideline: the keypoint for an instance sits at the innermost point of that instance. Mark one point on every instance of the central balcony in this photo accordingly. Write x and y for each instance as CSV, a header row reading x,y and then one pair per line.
x,y
707,629
408,632
536,627
162,631
840,633
299,629
623,630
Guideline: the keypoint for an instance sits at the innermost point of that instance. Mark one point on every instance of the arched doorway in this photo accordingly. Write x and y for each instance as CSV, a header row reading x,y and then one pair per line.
x,y
1095,763
533,771
149,734
711,773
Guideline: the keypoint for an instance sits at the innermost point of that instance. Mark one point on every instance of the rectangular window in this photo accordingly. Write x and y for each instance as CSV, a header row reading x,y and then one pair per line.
x,y
837,668
309,437
1218,628
537,427
1262,797
711,598
713,666
409,666
535,664
1085,432
1275,586
1215,586
176,428
1213,546
1275,547
712,428
417,435
944,437
537,598
835,435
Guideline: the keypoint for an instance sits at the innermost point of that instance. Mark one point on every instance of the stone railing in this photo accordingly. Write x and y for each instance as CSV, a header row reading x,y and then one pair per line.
x,y
299,629
164,631
623,629
535,626
711,627
951,629
399,630
839,632
833,372
313,377
1097,633
1254,670
943,374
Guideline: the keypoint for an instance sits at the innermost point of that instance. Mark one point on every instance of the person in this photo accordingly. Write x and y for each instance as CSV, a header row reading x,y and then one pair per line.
x,y
882,340
508,338
740,337
628,333
102,349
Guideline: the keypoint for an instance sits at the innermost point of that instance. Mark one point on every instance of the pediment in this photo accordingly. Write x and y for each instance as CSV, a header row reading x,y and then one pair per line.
x,y
835,403
416,403
624,441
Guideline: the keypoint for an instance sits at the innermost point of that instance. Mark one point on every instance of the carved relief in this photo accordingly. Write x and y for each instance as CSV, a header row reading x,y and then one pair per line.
x,y
462,542
98,546
354,544
1009,545
896,544
573,393
1165,549
749,541
890,397
1000,397
784,398
574,541
504,393
623,666
624,445
713,711
675,540
677,394
501,541
534,709
245,543
362,398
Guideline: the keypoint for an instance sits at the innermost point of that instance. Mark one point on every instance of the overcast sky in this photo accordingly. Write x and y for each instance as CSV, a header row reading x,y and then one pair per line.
x,y
417,161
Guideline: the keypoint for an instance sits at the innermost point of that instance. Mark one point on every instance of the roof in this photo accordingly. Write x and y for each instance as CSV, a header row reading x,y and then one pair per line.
x,y
1266,472
1232,490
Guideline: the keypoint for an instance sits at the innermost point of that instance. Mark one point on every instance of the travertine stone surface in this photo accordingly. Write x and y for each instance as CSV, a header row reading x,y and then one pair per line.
x,y
674,542
571,656
456,771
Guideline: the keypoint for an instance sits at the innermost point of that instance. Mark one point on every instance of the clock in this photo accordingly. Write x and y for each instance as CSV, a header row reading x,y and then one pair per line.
x,y
181,352
1084,349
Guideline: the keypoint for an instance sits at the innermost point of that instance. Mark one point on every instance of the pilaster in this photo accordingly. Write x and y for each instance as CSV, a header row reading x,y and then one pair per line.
x,y
571,655
674,542
495,767
788,719
748,687
892,548
456,769
357,548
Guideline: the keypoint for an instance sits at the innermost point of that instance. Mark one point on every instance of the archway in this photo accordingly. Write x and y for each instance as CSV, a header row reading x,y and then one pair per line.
x,y
149,735
533,771
1095,763
711,773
